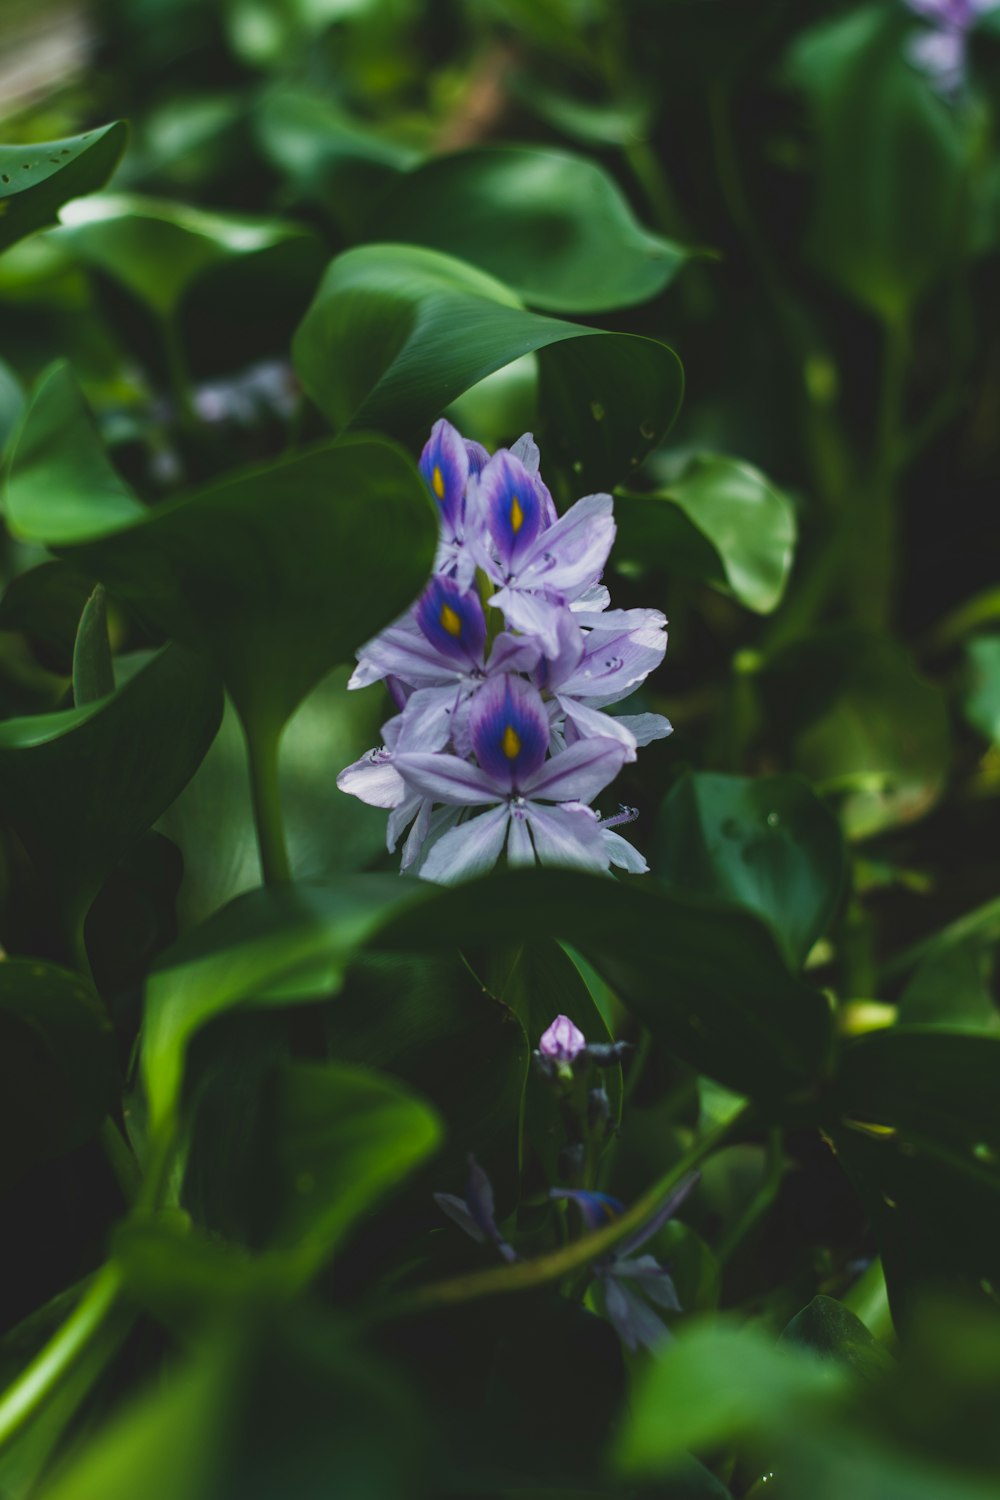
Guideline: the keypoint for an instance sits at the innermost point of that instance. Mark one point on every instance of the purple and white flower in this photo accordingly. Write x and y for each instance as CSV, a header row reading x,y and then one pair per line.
x,y
502,704
942,50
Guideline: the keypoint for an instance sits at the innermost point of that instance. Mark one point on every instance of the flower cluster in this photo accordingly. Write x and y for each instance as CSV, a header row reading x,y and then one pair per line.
x,y
940,51
501,673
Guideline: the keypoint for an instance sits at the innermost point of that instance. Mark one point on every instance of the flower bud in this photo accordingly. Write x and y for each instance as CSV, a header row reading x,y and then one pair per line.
x,y
563,1041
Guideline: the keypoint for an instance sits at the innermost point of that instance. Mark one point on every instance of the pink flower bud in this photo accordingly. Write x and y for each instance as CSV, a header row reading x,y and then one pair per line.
x,y
563,1042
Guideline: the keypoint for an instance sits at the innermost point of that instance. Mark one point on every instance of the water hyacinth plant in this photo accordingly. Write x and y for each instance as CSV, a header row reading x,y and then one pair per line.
x,y
501,674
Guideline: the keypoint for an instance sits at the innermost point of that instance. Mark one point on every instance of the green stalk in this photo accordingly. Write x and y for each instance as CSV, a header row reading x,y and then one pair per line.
x,y
526,1275
41,1378
262,754
872,518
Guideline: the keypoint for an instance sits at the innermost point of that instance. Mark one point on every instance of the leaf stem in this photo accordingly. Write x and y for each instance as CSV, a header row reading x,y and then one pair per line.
x,y
262,755
53,1363
526,1275
121,1160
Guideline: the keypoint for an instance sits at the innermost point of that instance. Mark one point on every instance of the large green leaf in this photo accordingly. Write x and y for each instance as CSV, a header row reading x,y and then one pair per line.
x,y
721,520
271,571
766,843
396,333
862,724
887,215
834,1332
57,1064
160,250
341,1138
553,226
708,980
918,1135
80,785
35,180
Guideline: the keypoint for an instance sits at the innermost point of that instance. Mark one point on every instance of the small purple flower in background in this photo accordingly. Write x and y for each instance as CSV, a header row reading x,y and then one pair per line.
x,y
502,705
563,1041
475,1212
941,51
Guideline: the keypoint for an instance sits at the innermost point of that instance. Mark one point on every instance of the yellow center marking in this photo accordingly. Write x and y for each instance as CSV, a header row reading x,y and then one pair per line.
x,y
451,620
511,744
437,482
516,515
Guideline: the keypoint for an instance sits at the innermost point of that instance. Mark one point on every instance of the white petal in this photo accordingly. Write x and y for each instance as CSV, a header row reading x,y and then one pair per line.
x,y
622,854
520,850
567,836
470,849
645,728
579,773
592,724
373,780
533,614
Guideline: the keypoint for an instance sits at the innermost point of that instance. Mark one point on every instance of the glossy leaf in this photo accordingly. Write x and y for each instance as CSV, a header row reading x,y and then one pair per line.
x,y
61,485
766,843
918,1136
708,981
552,226
396,333
80,785
342,1138
951,988
721,521
835,1333
57,1064
159,250
93,670
890,169
862,725
35,180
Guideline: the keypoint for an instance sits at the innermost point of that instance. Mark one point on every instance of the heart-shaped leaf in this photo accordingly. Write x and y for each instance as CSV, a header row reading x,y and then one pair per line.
x,y
553,226
721,521
36,180
396,333
57,1064
769,844
79,786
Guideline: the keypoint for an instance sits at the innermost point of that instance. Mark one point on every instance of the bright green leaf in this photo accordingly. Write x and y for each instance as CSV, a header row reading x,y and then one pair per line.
x,y
981,686
835,1333
35,180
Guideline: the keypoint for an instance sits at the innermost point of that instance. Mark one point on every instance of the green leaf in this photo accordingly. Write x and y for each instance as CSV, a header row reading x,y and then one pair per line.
x,y
767,843
952,988
708,980
35,180
46,602
79,786
11,402
890,169
342,1137
835,1333
721,521
981,686
57,1064
721,1384
918,1136
551,225
270,570
396,333
93,671
61,485
160,250
862,725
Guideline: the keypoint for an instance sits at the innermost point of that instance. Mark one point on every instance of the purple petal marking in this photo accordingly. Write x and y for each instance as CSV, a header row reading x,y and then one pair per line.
x,y
568,835
597,1210
374,779
509,729
452,620
479,456
512,506
403,651
447,779
562,1041
444,464
578,773
470,849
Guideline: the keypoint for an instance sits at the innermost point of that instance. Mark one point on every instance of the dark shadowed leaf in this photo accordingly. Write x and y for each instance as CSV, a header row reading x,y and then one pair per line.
x,y
552,226
35,180
766,843
835,1333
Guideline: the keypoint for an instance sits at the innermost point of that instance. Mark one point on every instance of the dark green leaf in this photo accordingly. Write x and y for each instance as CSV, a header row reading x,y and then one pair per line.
x,y
57,1064
93,671
833,1332
46,602
862,724
79,786
891,161
342,1138
36,180
918,1136
396,333
951,988
721,521
11,402
553,226
159,250
768,844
